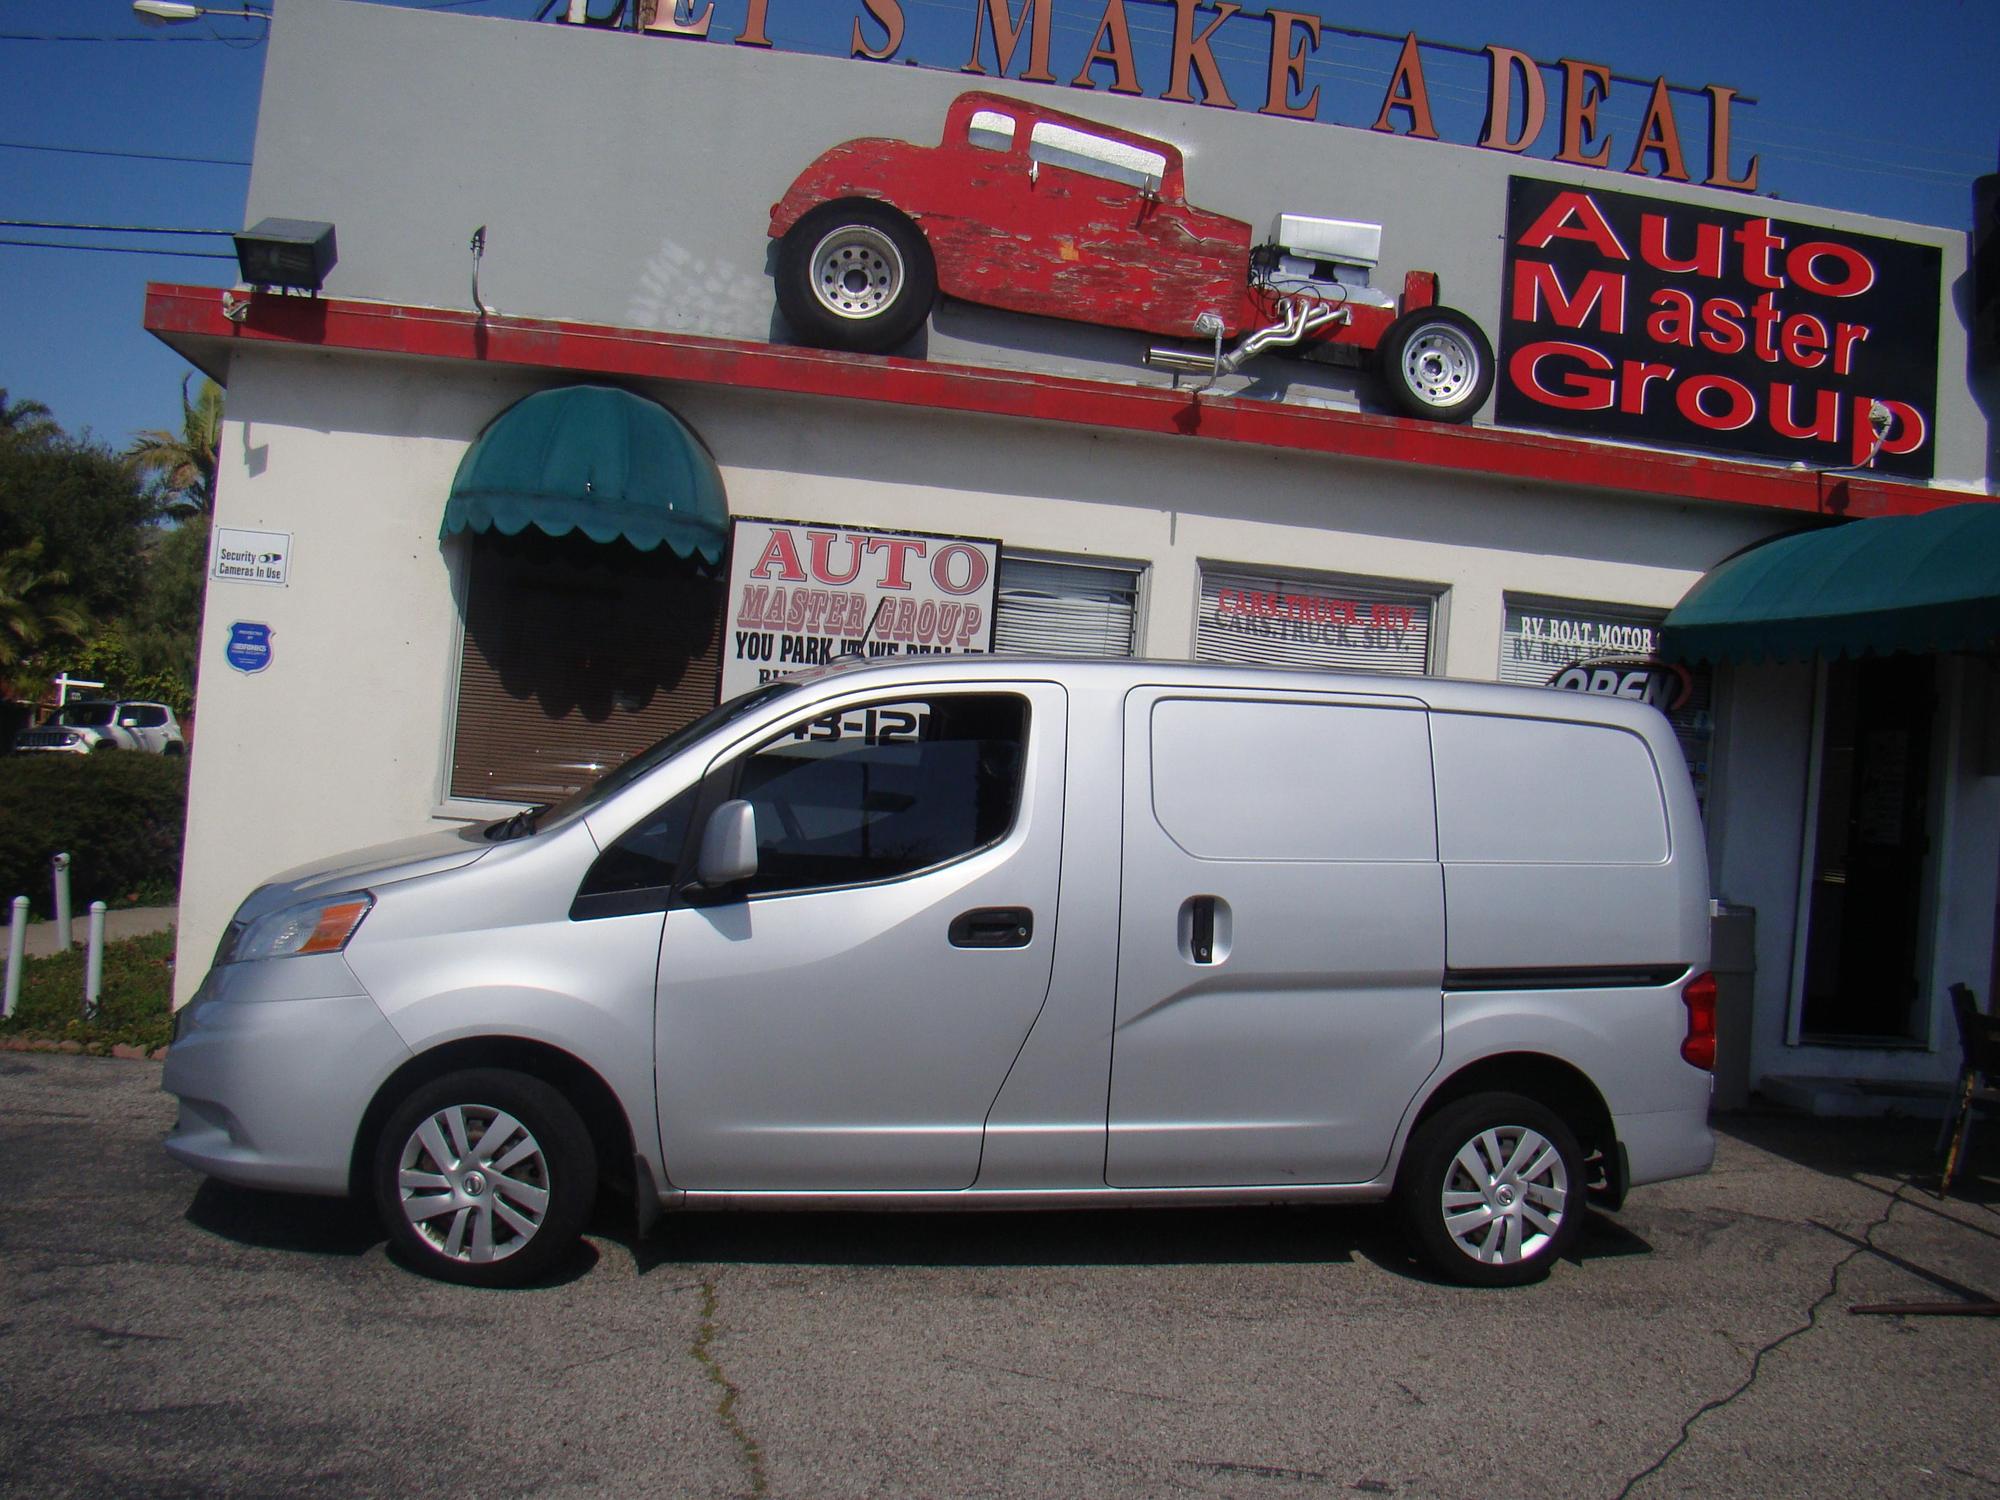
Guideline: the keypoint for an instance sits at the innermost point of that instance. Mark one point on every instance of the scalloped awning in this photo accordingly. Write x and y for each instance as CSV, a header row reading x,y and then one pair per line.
x,y
595,459
1928,583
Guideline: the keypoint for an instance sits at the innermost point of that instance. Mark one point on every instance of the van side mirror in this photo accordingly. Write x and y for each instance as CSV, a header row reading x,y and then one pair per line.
x,y
728,846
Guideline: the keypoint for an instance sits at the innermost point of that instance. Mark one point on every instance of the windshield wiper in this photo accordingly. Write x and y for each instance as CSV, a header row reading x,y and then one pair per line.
x,y
519,826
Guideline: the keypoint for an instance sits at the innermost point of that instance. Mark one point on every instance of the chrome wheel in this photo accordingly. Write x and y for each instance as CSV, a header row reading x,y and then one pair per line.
x,y
1505,1195
1440,364
857,271
473,1183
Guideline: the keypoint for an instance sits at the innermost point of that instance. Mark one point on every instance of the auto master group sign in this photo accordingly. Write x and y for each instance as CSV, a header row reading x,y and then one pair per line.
x,y
1688,326
804,595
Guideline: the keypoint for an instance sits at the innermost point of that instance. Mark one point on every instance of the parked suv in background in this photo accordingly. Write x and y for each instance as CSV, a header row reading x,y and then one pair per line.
x,y
79,728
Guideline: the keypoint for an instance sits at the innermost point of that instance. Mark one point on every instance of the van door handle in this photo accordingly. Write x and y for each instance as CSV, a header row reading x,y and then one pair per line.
x,y
1201,929
992,927
1205,928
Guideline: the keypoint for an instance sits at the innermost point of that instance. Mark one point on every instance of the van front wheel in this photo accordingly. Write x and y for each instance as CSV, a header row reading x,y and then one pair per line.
x,y
484,1177
1492,1190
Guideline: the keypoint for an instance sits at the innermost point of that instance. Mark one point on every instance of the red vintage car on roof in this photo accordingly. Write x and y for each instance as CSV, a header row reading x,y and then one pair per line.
x,y
1029,209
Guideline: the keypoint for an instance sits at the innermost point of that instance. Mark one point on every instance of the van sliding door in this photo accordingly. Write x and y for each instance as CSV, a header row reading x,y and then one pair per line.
x,y
1281,938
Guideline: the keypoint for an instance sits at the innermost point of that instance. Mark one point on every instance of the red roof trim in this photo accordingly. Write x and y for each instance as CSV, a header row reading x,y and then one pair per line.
x,y
196,314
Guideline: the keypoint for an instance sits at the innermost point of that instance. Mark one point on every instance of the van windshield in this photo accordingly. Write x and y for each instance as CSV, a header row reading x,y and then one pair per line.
x,y
617,779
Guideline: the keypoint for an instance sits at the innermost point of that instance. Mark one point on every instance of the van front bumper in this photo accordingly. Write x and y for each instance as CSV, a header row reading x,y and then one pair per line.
x,y
274,1063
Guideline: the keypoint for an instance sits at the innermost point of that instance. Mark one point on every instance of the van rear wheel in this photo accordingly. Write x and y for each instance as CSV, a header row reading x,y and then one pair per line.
x,y
1492,1190
484,1177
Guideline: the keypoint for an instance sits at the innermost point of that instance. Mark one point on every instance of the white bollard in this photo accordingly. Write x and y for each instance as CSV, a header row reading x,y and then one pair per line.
x,y
17,952
93,961
65,929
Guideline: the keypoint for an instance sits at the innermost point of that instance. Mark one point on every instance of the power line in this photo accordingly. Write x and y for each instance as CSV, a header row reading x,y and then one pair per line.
x,y
107,228
204,161
28,36
116,249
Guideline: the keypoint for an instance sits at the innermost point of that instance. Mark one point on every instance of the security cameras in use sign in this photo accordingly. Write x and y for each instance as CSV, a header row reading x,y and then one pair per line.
x,y
251,556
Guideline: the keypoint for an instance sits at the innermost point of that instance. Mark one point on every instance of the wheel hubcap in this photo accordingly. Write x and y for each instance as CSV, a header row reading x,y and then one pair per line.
x,y
474,1183
1505,1195
1439,364
857,271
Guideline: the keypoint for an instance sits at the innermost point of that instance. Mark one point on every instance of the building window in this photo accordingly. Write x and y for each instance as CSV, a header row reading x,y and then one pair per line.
x,y
577,655
1057,607
1319,622
1609,649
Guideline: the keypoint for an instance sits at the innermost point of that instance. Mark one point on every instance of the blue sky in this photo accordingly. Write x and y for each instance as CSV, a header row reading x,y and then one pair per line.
x,y
1878,109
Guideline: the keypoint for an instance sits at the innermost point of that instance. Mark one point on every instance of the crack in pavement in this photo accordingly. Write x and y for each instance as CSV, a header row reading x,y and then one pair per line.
x,y
1864,1246
1063,1380
725,1406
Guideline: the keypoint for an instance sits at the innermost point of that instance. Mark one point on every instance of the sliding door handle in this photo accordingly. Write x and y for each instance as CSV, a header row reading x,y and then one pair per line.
x,y
1204,929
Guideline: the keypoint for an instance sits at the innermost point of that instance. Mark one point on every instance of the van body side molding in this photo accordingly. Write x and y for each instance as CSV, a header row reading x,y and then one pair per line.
x,y
1625,977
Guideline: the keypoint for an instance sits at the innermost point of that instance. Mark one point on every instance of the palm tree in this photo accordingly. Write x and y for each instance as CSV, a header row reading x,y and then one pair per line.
x,y
25,421
34,612
185,461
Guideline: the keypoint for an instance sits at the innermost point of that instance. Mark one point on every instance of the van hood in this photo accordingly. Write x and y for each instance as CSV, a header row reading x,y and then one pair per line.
x,y
379,864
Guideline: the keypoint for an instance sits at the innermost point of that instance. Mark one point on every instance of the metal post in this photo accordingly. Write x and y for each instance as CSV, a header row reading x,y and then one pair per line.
x,y
65,930
17,950
93,961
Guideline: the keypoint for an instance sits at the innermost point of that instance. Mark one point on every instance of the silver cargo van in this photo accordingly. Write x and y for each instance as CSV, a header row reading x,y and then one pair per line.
x,y
985,932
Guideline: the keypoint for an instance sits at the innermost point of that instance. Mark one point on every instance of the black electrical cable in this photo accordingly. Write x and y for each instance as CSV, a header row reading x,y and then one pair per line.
x,y
204,161
116,249
106,228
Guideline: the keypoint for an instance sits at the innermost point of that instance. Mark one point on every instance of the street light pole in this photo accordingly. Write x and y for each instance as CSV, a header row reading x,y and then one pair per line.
x,y
173,12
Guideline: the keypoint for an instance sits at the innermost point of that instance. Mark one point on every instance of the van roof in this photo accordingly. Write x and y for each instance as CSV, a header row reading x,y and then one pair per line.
x,y
1447,694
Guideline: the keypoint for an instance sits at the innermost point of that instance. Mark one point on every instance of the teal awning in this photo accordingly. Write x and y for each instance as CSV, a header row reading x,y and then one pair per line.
x,y
1923,583
594,459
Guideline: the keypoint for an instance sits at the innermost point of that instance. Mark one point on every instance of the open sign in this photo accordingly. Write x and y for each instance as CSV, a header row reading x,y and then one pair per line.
x,y
1665,685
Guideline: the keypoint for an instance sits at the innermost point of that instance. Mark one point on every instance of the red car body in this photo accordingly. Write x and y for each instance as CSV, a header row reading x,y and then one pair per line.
x,y
1067,218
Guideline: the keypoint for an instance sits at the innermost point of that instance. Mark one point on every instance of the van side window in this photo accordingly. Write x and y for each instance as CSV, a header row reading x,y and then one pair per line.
x,y
1241,779
637,872
883,790
1542,791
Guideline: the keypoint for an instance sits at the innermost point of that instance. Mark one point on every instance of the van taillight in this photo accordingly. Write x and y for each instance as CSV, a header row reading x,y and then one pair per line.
x,y
1699,998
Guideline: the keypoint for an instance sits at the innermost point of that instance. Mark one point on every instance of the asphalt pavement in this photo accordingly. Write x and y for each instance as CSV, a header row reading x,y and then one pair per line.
x,y
163,1336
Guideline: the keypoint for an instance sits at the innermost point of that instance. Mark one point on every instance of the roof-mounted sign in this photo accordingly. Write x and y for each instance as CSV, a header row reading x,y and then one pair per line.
x,y
1682,324
1526,100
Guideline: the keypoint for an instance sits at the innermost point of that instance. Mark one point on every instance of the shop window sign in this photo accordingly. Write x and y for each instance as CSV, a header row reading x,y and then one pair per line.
x,y
1325,624
1610,652
804,594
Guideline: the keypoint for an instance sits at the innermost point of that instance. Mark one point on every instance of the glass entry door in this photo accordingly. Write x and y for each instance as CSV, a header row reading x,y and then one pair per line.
x,y
1861,981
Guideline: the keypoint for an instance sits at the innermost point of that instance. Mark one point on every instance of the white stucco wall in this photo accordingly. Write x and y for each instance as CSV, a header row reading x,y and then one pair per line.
x,y
342,741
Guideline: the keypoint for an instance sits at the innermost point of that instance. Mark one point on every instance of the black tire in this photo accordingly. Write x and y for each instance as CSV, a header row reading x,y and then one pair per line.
x,y
1533,1209
556,1178
1435,363
855,275
174,747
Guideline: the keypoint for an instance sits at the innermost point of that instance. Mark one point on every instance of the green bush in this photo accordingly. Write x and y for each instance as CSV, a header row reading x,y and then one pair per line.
x,y
134,1003
119,814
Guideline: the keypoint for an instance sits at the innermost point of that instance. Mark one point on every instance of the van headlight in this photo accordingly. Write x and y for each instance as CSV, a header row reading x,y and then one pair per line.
x,y
310,927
